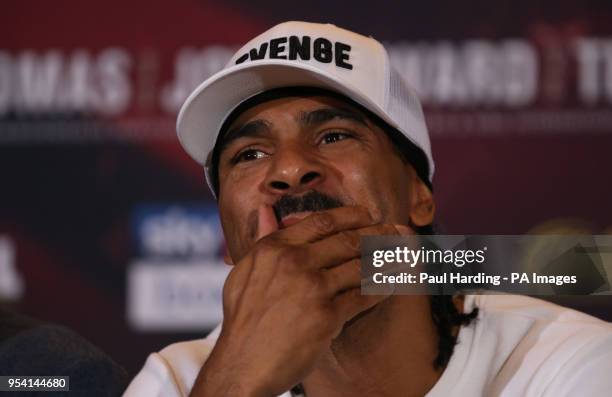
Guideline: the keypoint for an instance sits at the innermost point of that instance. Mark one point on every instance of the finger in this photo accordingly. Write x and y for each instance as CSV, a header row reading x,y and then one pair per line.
x,y
346,245
343,277
324,223
266,221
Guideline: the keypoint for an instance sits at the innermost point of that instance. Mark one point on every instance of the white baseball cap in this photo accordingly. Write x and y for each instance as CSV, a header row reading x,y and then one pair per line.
x,y
302,54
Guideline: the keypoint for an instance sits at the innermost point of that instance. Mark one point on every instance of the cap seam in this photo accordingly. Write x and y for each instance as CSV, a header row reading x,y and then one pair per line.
x,y
387,74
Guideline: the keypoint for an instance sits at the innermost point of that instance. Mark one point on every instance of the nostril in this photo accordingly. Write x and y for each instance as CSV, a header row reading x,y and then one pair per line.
x,y
279,185
310,176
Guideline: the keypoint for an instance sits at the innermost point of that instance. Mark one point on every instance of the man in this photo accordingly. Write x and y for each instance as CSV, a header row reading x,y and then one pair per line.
x,y
310,140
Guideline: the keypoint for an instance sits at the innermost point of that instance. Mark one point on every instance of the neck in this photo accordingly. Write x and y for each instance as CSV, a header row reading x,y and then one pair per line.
x,y
387,351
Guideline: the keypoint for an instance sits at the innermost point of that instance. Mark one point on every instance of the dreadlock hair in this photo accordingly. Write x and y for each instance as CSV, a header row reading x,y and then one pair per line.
x,y
445,317
444,313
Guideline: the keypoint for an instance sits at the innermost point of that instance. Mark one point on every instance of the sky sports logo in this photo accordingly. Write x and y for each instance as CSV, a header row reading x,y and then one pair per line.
x,y
175,282
177,231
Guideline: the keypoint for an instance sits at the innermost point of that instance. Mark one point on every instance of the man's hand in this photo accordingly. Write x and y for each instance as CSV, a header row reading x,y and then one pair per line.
x,y
287,299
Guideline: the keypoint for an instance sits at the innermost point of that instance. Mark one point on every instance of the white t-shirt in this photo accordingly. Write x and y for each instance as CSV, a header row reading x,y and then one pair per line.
x,y
518,346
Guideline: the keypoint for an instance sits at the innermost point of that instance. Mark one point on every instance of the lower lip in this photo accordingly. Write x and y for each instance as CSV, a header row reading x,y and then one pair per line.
x,y
293,219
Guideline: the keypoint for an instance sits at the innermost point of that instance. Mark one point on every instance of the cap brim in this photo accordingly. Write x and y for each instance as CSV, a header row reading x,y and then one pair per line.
x,y
205,110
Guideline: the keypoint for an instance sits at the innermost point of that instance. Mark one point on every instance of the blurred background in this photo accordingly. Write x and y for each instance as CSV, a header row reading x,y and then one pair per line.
x,y
106,225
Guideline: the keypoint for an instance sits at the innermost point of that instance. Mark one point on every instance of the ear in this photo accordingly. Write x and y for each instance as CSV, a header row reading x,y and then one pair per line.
x,y
423,208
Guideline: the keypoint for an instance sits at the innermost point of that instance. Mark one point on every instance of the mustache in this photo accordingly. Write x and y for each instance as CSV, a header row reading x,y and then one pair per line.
x,y
312,201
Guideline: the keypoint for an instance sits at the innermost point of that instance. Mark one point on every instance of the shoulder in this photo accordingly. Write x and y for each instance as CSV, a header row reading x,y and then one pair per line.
x,y
542,323
537,309
550,345
173,370
543,317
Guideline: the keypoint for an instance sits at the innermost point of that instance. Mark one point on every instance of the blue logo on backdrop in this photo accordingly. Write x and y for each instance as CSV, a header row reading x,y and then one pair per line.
x,y
177,231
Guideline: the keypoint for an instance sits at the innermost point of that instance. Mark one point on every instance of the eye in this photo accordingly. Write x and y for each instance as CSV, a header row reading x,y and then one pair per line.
x,y
335,136
248,155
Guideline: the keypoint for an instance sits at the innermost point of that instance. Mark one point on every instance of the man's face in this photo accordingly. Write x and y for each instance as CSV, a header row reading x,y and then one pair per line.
x,y
303,154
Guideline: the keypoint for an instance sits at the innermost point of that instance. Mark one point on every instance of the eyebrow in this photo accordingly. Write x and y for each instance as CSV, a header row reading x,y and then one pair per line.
x,y
255,128
259,127
324,115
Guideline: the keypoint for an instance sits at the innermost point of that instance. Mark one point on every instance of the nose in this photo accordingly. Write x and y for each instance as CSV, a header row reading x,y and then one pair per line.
x,y
293,170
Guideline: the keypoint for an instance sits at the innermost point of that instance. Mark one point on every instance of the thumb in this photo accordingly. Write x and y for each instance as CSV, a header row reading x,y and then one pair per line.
x,y
266,221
